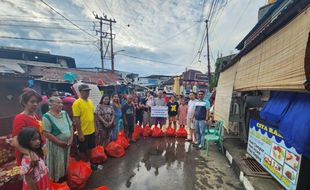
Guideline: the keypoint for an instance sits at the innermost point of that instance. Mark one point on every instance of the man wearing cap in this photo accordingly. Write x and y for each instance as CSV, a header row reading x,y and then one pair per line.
x,y
83,116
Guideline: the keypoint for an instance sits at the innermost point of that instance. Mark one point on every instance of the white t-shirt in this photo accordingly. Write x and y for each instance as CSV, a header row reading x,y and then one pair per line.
x,y
191,108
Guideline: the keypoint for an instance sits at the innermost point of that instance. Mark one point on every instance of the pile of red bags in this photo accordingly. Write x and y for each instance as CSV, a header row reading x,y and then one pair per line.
x,y
102,188
58,186
78,173
98,155
147,131
135,134
115,150
170,132
181,132
157,132
122,140
139,129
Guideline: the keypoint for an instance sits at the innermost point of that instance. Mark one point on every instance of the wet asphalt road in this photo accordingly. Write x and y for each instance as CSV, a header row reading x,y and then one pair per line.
x,y
165,163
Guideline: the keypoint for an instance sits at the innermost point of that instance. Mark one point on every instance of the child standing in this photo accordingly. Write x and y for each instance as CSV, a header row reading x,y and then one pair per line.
x,y
183,113
173,109
35,173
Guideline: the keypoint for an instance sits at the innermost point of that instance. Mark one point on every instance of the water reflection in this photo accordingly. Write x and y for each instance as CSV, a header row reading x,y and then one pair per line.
x,y
162,163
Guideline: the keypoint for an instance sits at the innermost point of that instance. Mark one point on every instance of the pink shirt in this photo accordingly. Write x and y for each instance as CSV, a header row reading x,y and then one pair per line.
x,y
39,173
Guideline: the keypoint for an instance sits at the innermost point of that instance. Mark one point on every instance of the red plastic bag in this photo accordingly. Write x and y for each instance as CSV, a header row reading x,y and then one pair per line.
x,y
102,188
157,132
139,129
58,186
135,135
78,173
147,131
122,140
181,132
170,132
115,150
98,155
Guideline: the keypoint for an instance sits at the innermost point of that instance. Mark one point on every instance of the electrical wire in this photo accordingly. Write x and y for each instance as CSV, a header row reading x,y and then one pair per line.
x,y
50,40
145,59
44,18
52,8
174,36
37,26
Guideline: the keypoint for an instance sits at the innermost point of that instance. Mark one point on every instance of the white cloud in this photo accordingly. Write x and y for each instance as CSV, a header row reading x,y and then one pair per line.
x,y
158,30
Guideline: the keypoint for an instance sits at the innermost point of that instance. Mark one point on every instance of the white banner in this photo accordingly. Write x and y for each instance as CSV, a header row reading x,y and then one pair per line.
x,y
159,111
95,94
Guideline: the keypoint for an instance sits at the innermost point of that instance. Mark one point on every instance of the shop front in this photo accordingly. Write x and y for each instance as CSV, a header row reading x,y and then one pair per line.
x,y
279,138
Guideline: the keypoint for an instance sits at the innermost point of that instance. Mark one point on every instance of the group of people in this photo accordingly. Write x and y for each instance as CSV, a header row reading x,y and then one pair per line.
x,y
192,113
43,142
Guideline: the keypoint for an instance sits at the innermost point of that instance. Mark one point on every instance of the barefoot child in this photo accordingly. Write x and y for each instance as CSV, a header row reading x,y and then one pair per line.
x,y
182,113
35,173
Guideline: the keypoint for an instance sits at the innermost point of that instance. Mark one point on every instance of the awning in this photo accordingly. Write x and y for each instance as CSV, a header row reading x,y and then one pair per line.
x,y
277,106
278,62
223,97
291,111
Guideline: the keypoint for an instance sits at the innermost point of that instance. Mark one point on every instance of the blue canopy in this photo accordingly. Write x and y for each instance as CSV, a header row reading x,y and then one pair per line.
x,y
291,112
276,107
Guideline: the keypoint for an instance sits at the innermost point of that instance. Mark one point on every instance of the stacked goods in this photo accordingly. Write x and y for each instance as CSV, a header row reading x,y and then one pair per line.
x,y
181,132
136,134
58,186
9,172
139,129
7,152
98,155
78,173
170,132
102,188
157,132
122,140
147,131
115,150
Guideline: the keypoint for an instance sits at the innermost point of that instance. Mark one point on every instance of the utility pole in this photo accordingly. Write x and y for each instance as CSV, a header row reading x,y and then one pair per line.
x,y
101,48
112,53
104,35
208,51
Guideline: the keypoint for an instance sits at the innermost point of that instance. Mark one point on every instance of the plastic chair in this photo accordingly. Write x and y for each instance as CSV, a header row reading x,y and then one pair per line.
x,y
215,137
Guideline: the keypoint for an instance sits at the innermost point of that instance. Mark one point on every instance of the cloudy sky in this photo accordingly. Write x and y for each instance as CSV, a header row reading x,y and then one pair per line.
x,y
157,36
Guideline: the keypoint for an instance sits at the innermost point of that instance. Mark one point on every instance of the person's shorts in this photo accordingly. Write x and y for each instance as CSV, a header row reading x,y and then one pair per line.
x,y
88,143
190,124
172,118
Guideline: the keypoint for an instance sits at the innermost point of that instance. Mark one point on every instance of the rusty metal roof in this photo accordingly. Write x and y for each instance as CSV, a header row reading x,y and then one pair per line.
x,y
56,75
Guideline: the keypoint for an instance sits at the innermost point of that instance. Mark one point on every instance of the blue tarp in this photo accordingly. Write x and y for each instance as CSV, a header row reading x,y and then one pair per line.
x,y
295,126
276,107
291,113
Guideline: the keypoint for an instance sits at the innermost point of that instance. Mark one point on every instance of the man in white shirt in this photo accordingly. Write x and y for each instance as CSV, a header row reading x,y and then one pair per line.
x,y
148,103
190,125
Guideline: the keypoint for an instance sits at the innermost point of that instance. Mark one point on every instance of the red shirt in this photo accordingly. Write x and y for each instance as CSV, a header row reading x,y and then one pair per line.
x,y
21,121
166,99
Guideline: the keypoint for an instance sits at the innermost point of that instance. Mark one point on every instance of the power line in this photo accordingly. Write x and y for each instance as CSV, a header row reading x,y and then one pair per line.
x,y
241,15
44,18
37,26
12,21
176,35
50,40
67,19
145,59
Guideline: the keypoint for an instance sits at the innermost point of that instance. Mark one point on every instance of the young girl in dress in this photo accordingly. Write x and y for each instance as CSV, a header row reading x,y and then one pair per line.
x,y
182,113
35,173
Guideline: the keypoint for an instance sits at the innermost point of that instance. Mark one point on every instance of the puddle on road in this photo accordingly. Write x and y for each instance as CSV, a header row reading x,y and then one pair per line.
x,y
163,166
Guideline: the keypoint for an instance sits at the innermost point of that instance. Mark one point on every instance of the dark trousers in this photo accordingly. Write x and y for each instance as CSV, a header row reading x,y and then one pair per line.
x,y
129,130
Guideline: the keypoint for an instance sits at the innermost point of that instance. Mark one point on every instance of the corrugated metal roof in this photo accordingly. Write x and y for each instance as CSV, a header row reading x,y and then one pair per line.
x,y
56,75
